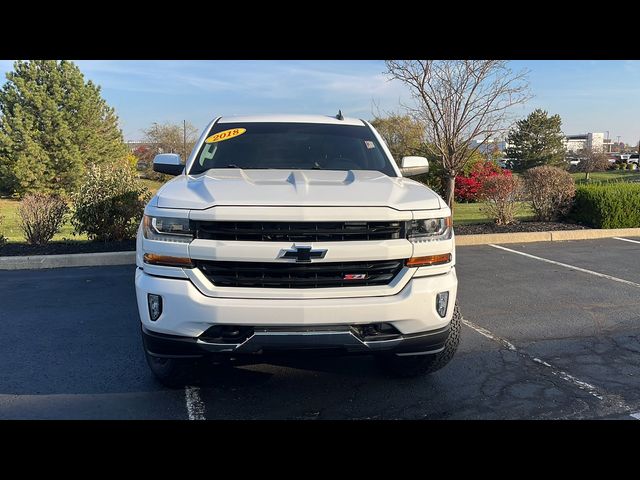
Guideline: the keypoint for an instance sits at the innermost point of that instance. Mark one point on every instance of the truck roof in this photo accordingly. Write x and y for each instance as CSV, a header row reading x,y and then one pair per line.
x,y
285,118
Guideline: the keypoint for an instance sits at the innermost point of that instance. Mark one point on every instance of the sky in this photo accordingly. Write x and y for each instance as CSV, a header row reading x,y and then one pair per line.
x,y
589,96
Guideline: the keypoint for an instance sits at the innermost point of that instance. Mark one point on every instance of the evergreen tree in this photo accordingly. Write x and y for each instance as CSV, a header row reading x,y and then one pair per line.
x,y
537,140
53,124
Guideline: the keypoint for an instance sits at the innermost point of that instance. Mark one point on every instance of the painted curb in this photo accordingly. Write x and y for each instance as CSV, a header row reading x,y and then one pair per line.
x,y
555,236
34,262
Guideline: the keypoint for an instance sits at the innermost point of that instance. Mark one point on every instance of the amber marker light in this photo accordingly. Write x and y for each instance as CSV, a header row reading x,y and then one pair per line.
x,y
167,261
429,260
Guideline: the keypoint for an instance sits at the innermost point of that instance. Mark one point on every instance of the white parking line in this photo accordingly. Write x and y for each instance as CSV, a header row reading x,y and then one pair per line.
x,y
488,334
570,378
626,239
565,265
559,373
195,405
636,415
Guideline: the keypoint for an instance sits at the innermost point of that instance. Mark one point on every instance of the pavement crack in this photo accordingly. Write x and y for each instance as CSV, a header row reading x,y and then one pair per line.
x,y
610,403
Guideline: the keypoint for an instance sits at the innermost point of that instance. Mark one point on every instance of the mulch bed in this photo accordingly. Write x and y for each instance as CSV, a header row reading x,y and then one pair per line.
x,y
481,228
66,247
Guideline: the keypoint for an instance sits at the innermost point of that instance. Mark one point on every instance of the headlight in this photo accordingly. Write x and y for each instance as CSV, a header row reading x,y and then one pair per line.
x,y
429,229
166,229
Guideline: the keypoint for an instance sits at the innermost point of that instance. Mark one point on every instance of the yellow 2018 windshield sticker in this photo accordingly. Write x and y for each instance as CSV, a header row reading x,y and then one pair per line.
x,y
225,135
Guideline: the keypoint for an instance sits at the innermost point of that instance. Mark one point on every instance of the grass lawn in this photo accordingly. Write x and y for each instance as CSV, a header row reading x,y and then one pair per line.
x,y
468,213
10,223
608,176
10,226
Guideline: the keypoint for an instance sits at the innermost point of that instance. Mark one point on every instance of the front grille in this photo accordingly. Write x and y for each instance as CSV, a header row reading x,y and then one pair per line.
x,y
299,231
293,275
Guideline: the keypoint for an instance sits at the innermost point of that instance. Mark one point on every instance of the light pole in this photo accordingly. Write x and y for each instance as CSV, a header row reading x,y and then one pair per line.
x,y
184,139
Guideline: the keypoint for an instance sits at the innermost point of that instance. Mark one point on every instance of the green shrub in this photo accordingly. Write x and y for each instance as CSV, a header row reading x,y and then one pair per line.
x,y
550,191
608,205
41,217
109,204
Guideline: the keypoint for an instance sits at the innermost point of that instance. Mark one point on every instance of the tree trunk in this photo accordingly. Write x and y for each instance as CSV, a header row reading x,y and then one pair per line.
x,y
586,176
449,188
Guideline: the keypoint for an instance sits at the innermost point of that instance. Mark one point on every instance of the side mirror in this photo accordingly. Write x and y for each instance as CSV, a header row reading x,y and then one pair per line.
x,y
410,166
168,163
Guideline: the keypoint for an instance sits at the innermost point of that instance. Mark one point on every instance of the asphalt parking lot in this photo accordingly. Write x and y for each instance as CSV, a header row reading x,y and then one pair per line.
x,y
552,331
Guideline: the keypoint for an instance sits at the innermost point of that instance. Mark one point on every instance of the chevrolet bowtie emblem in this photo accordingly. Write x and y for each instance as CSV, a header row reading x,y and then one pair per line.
x,y
302,254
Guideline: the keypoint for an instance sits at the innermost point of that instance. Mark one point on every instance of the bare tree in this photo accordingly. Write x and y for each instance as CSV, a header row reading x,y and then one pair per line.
x,y
172,137
592,160
459,101
166,138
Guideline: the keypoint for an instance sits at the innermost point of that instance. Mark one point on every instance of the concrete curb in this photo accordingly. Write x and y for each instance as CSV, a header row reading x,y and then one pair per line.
x,y
555,236
34,262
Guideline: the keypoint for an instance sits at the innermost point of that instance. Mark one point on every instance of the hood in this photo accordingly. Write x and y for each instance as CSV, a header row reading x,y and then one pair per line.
x,y
237,187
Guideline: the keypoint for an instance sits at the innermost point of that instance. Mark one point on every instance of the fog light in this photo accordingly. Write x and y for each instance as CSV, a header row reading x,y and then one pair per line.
x,y
442,299
155,306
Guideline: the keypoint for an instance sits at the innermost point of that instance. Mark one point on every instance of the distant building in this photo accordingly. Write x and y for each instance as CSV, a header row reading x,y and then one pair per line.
x,y
588,141
491,145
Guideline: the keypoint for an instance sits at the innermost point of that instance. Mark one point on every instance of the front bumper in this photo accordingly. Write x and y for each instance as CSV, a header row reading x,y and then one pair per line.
x,y
265,341
187,312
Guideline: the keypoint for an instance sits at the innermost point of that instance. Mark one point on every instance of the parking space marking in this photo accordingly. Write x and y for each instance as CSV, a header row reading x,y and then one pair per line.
x,y
571,267
488,334
635,415
571,379
587,387
195,405
626,239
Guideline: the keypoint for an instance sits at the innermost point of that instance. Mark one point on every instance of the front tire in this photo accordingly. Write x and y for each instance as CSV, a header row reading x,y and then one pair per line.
x,y
173,372
414,365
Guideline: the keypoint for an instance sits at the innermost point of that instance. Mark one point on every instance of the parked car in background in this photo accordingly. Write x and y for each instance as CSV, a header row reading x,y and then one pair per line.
x,y
634,158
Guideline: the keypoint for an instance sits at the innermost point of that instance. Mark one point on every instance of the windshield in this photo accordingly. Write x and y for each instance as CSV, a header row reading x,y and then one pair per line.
x,y
300,146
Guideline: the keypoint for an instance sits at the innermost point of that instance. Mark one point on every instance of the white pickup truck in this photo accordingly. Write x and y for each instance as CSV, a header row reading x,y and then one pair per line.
x,y
295,233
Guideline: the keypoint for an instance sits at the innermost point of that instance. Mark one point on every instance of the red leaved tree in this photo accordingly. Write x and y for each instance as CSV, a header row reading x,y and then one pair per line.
x,y
468,186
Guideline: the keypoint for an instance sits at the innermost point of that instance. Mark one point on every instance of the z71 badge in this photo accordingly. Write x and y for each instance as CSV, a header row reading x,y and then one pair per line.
x,y
355,276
